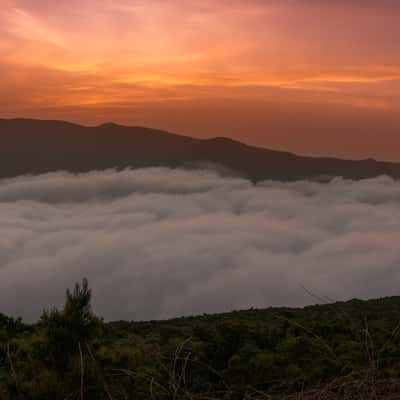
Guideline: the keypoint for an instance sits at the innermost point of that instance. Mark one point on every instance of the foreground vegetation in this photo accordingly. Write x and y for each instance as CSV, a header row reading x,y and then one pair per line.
x,y
344,350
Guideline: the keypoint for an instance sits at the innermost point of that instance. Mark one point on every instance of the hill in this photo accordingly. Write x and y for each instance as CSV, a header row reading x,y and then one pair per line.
x,y
344,350
36,146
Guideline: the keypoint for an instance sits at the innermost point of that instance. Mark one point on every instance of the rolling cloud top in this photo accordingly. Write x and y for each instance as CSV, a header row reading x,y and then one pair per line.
x,y
158,242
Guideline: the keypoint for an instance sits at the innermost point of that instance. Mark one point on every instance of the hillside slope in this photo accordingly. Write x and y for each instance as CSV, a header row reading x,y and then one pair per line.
x,y
346,350
36,146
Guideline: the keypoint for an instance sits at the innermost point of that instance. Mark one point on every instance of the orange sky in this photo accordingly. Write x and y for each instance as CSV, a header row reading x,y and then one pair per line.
x,y
311,76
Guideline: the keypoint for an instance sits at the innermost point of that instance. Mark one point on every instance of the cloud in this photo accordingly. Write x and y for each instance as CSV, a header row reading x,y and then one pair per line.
x,y
159,243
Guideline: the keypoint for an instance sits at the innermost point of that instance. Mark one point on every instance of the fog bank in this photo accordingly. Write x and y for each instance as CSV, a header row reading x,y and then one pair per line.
x,y
158,243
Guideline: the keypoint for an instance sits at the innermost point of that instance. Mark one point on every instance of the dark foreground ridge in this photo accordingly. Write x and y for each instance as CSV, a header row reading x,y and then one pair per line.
x,y
35,146
344,350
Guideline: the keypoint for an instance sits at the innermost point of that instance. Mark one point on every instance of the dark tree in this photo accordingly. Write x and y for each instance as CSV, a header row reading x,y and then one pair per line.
x,y
75,325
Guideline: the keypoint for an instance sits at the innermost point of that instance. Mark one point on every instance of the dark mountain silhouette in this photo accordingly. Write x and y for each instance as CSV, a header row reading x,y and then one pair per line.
x,y
36,146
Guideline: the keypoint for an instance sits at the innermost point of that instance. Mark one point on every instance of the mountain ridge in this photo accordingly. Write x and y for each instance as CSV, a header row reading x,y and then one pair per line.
x,y
33,146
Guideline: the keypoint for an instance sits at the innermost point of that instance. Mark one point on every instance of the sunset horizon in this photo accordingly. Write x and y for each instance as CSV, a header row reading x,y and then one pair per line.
x,y
303,76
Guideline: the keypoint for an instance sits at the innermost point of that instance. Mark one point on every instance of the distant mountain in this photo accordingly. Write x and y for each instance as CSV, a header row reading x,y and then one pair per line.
x,y
35,146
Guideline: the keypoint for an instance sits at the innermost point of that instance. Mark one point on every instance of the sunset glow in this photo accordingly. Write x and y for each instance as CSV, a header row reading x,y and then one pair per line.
x,y
316,77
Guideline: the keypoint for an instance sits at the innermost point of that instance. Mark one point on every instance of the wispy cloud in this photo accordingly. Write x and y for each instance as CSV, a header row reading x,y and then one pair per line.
x,y
206,44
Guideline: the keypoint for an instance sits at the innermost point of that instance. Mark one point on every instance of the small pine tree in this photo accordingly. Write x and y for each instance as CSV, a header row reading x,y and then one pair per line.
x,y
78,312
74,325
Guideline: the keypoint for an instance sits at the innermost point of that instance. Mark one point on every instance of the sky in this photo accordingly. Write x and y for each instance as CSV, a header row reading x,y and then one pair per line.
x,y
160,243
310,76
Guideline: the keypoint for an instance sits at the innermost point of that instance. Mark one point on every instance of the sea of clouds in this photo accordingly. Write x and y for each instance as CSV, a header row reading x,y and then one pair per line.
x,y
158,243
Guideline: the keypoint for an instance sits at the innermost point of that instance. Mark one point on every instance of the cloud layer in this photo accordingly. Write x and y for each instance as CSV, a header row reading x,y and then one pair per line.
x,y
158,243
